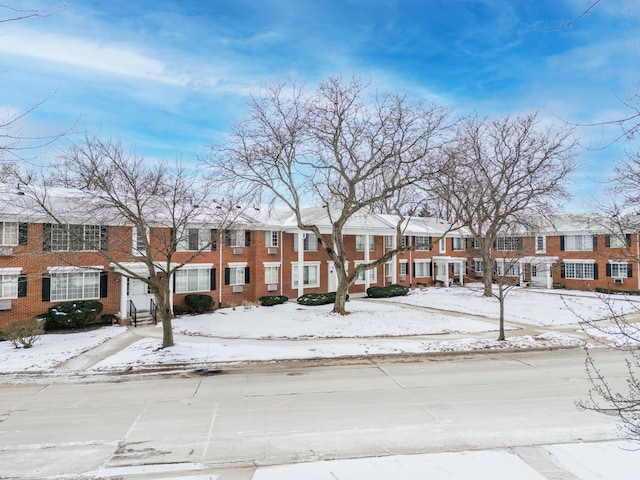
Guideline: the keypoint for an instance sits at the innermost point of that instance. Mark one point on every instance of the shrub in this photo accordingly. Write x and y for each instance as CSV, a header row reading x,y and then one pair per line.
x,y
270,300
108,318
620,292
393,290
183,309
67,315
198,302
24,332
318,298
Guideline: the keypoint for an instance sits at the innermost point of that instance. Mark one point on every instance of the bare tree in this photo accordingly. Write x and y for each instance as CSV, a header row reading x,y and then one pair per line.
x,y
500,171
154,200
339,146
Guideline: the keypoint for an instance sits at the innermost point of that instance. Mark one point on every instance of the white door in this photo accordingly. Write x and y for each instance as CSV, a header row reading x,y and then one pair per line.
x,y
138,293
539,272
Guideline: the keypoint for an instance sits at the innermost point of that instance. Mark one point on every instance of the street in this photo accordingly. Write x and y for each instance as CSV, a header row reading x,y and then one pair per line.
x,y
150,426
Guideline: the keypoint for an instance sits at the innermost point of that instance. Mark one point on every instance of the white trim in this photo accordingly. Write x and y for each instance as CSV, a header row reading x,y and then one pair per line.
x,y
271,264
237,264
196,266
11,271
72,269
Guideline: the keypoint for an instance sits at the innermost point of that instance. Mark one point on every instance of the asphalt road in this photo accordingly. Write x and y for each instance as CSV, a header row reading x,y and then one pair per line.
x,y
160,426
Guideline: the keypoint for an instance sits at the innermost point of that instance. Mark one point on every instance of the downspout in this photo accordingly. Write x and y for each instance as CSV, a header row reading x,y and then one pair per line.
x,y
281,273
221,272
367,257
300,263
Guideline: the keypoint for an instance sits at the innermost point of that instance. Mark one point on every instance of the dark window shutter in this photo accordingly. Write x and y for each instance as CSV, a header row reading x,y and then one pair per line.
x,y
413,268
247,238
46,288
192,239
214,239
430,243
103,284
46,237
452,244
595,243
227,238
104,238
247,275
608,269
495,244
212,281
173,240
562,244
22,286
607,242
628,239
630,270
561,269
227,276
413,241
595,271
23,233
173,277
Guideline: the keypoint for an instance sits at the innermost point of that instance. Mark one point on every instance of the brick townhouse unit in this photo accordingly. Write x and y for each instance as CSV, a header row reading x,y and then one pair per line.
x,y
265,253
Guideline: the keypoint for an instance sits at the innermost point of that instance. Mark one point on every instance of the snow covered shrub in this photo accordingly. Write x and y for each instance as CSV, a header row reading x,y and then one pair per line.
x,y
68,315
271,300
24,333
318,298
393,290
183,310
200,303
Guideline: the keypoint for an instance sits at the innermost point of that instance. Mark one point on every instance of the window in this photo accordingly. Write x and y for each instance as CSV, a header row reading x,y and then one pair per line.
x,y
577,242
271,272
74,238
271,238
507,269
541,244
236,274
310,275
618,241
8,286
422,269
458,244
373,275
402,267
443,245
388,241
618,269
579,270
459,268
76,285
195,239
193,280
508,243
405,241
477,265
310,242
9,233
422,242
237,238
360,242
138,242
387,269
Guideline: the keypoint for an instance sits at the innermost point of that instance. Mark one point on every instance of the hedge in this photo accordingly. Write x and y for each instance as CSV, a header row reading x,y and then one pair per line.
x,y
67,315
393,290
270,300
318,298
199,302
619,292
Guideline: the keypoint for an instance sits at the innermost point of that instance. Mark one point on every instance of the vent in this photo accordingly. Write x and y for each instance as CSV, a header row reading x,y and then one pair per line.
x,y
6,251
238,288
272,288
272,250
618,281
238,250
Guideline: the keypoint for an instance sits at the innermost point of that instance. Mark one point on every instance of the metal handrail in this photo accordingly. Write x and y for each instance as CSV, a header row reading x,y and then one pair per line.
x,y
133,312
153,309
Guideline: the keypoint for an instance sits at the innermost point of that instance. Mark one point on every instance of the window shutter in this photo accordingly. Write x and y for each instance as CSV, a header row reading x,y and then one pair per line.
x,y
595,243
173,240
607,242
561,268
23,233
430,243
214,239
608,268
212,279
413,241
247,276
46,288
46,237
104,238
630,270
595,270
227,238
247,238
628,239
103,284
562,244
413,268
173,279
227,276
452,244
22,286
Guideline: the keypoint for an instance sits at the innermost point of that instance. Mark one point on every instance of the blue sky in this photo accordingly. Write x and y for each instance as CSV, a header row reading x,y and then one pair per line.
x,y
168,78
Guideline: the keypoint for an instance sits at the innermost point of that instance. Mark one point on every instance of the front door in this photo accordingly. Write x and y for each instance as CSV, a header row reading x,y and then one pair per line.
x,y
138,293
539,274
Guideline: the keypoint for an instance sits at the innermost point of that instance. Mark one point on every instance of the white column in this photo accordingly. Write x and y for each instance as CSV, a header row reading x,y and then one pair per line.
x,y
123,295
548,275
461,273
300,263
367,283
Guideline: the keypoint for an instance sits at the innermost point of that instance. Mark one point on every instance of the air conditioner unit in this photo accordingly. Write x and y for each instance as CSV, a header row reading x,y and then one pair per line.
x,y
238,250
272,250
5,305
403,278
238,288
272,288
618,281
6,251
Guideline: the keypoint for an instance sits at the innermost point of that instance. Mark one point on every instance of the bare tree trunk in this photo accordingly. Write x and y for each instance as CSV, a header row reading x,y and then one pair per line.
x,y
501,336
341,298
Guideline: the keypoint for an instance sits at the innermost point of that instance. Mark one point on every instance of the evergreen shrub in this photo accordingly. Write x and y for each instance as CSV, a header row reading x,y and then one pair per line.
x,y
318,298
70,315
198,302
270,300
393,290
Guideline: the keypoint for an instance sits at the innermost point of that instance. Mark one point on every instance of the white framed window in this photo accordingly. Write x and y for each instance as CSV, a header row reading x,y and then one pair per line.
x,y
75,238
508,268
402,267
387,269
443,245
8,286
361,240
237,273
508,244
405,241
619,269
75,285
423,269
310,242
458,244
422,242
138,248
477,265
618,241
272,273
310,274
388,241
235,238
459,268
578,242
193,280
580,270
271,238
194,239
541,244
9,233
373,275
